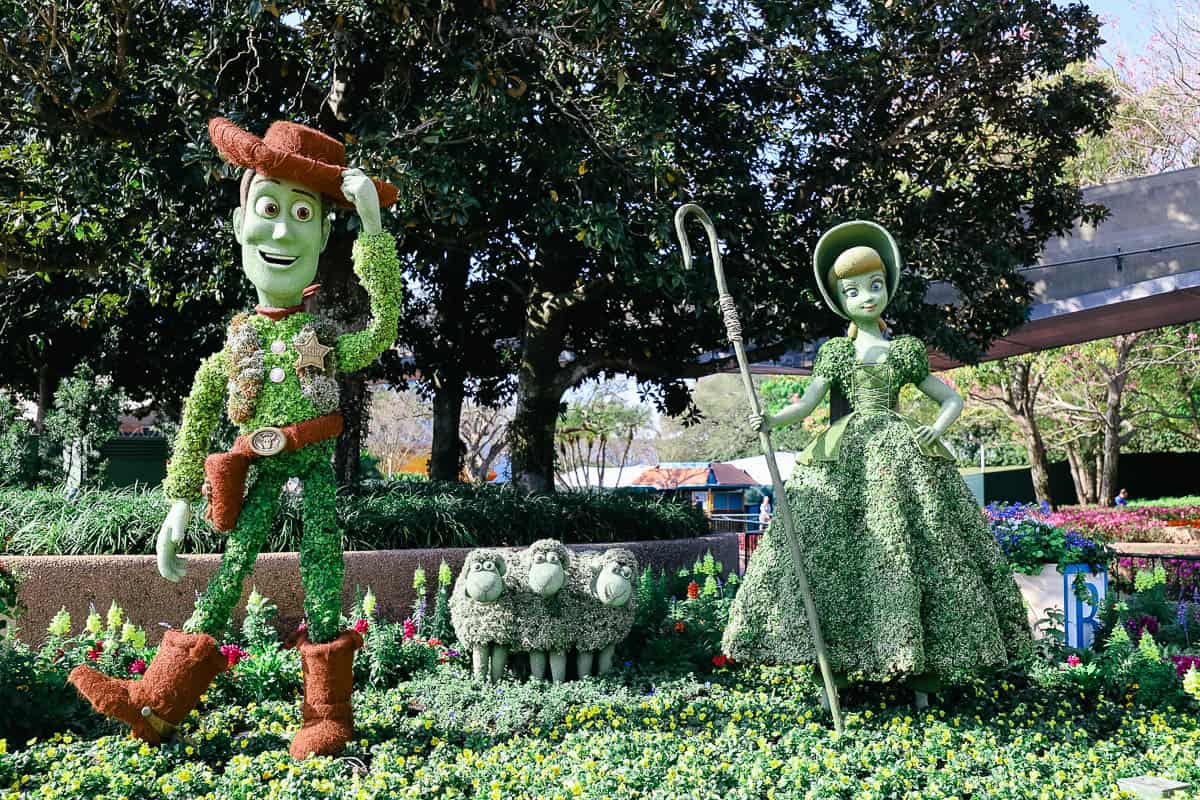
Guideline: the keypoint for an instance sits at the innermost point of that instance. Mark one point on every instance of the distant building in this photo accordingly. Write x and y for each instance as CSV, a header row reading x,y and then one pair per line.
x,y
718,487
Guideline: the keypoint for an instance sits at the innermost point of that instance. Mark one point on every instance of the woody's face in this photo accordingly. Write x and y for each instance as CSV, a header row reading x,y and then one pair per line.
x,y
282,231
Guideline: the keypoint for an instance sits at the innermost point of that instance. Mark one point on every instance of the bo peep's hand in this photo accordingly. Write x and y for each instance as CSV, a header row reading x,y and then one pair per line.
x,y
759,423
928,434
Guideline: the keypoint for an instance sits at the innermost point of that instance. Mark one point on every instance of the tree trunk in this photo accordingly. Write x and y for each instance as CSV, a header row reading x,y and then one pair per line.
x,y
1039,468
445,458
47,384
446,451
1110,453
539,400
346,455
1082,474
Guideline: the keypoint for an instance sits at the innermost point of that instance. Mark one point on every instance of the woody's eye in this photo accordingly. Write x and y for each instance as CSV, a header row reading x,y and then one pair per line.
x,y
266,207
302,211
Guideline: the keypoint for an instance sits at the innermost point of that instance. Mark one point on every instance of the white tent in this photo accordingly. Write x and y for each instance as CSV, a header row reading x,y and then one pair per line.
x,y
757,466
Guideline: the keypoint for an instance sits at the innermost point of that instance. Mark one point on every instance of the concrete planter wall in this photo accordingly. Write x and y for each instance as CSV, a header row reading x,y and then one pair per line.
x,y
1050,588
79,582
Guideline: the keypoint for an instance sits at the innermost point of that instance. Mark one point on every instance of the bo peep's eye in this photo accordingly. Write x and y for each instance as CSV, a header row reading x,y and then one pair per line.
x,y
876,285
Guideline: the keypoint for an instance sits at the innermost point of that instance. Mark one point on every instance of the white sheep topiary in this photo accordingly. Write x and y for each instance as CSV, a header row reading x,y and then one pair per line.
x,y
601,599
483,612
538,577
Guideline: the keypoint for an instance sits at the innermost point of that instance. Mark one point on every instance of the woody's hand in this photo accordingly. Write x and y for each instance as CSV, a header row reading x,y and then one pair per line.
x,y
360,190
173,529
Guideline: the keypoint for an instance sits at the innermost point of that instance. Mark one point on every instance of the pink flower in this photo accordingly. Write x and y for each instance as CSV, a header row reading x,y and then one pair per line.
x,y
138,667
410,629
361,626
233,654
1073,661
303,626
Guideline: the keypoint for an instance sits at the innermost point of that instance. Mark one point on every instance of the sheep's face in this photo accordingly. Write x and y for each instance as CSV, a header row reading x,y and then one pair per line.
x,y
547,572
485,579
613,585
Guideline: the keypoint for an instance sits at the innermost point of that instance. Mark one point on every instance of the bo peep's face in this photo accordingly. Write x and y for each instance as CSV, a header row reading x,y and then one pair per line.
x,y
863,297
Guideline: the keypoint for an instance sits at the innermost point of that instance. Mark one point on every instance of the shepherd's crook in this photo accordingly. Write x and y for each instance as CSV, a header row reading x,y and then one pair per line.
x,y
733,329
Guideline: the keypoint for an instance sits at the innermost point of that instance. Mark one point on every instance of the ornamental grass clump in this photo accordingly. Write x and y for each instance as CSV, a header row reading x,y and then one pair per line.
x,y
379,515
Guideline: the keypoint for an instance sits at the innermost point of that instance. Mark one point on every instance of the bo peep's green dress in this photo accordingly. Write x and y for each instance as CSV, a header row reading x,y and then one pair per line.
x,y
905,574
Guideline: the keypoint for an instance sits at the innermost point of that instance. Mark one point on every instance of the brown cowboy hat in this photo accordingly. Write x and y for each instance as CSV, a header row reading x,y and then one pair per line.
x,y
292,152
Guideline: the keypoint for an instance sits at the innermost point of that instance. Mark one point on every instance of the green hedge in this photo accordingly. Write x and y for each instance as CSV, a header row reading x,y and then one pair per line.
x,y
380,515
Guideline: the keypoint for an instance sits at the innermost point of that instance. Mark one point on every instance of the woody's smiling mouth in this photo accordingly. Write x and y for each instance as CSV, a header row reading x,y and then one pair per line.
x,y
277,259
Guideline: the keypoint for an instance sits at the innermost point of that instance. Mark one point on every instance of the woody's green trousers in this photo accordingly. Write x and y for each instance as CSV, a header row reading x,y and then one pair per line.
x,y
321,564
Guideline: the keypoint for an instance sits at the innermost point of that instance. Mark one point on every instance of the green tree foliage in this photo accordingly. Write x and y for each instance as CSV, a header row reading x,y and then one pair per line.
x,y
83,420
540,150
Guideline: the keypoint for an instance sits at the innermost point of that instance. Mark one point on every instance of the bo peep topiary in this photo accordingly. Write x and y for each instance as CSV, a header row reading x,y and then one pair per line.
x,y
907,580
601,604
482,612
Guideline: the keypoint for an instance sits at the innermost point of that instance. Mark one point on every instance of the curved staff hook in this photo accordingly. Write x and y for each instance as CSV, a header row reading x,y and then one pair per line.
x,y
733,329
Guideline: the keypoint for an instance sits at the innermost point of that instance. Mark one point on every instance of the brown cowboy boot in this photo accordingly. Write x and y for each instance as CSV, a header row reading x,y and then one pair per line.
x,y
179,673
328,684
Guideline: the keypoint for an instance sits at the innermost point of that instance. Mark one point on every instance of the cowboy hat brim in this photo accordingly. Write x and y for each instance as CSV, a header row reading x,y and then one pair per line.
x,y
840,238
244,149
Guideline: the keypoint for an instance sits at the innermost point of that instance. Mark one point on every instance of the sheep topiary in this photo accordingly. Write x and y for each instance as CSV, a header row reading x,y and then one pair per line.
x,y
482,611
537,578
603,605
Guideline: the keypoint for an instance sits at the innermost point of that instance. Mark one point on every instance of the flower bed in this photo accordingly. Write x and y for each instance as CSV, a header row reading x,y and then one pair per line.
x,y
1143,523
1031,538
752,734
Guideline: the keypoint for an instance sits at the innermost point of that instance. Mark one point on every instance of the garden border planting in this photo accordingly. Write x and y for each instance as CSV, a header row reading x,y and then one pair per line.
x,y
79,582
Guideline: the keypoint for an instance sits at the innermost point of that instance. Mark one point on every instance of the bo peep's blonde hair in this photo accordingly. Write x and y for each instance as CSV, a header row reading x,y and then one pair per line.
x,y
853,261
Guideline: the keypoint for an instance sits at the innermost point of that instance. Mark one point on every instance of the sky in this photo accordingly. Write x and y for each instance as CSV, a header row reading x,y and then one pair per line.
x,y
1129,23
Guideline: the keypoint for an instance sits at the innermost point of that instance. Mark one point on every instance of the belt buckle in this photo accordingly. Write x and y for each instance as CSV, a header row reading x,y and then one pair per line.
x,y
267,441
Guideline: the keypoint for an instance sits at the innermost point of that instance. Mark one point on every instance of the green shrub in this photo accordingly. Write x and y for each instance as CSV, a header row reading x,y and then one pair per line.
x,y
382,515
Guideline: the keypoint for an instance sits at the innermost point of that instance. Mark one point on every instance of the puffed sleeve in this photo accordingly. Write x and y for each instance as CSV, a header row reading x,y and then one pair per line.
x,y
911,359
834,361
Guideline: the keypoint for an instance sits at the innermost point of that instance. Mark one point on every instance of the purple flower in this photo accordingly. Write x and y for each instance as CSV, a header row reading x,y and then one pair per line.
x,y
1144,623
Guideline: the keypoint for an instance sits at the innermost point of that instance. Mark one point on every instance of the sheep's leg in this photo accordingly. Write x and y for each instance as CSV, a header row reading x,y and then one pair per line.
x,y
479,660
583,662
606,659
537,664
558,666
499,662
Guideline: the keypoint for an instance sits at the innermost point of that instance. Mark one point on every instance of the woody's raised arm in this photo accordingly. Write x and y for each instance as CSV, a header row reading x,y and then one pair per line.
x,y
378,269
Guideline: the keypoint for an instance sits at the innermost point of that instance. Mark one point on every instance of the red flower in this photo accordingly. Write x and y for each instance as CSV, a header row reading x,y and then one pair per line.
x,y
361,626
693,590
679,626
93,655
410,629
138,667
1073,661
720,660
434,642
233,654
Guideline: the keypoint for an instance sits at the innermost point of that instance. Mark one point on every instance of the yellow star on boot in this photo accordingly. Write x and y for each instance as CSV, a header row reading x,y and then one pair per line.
x,y
312,352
